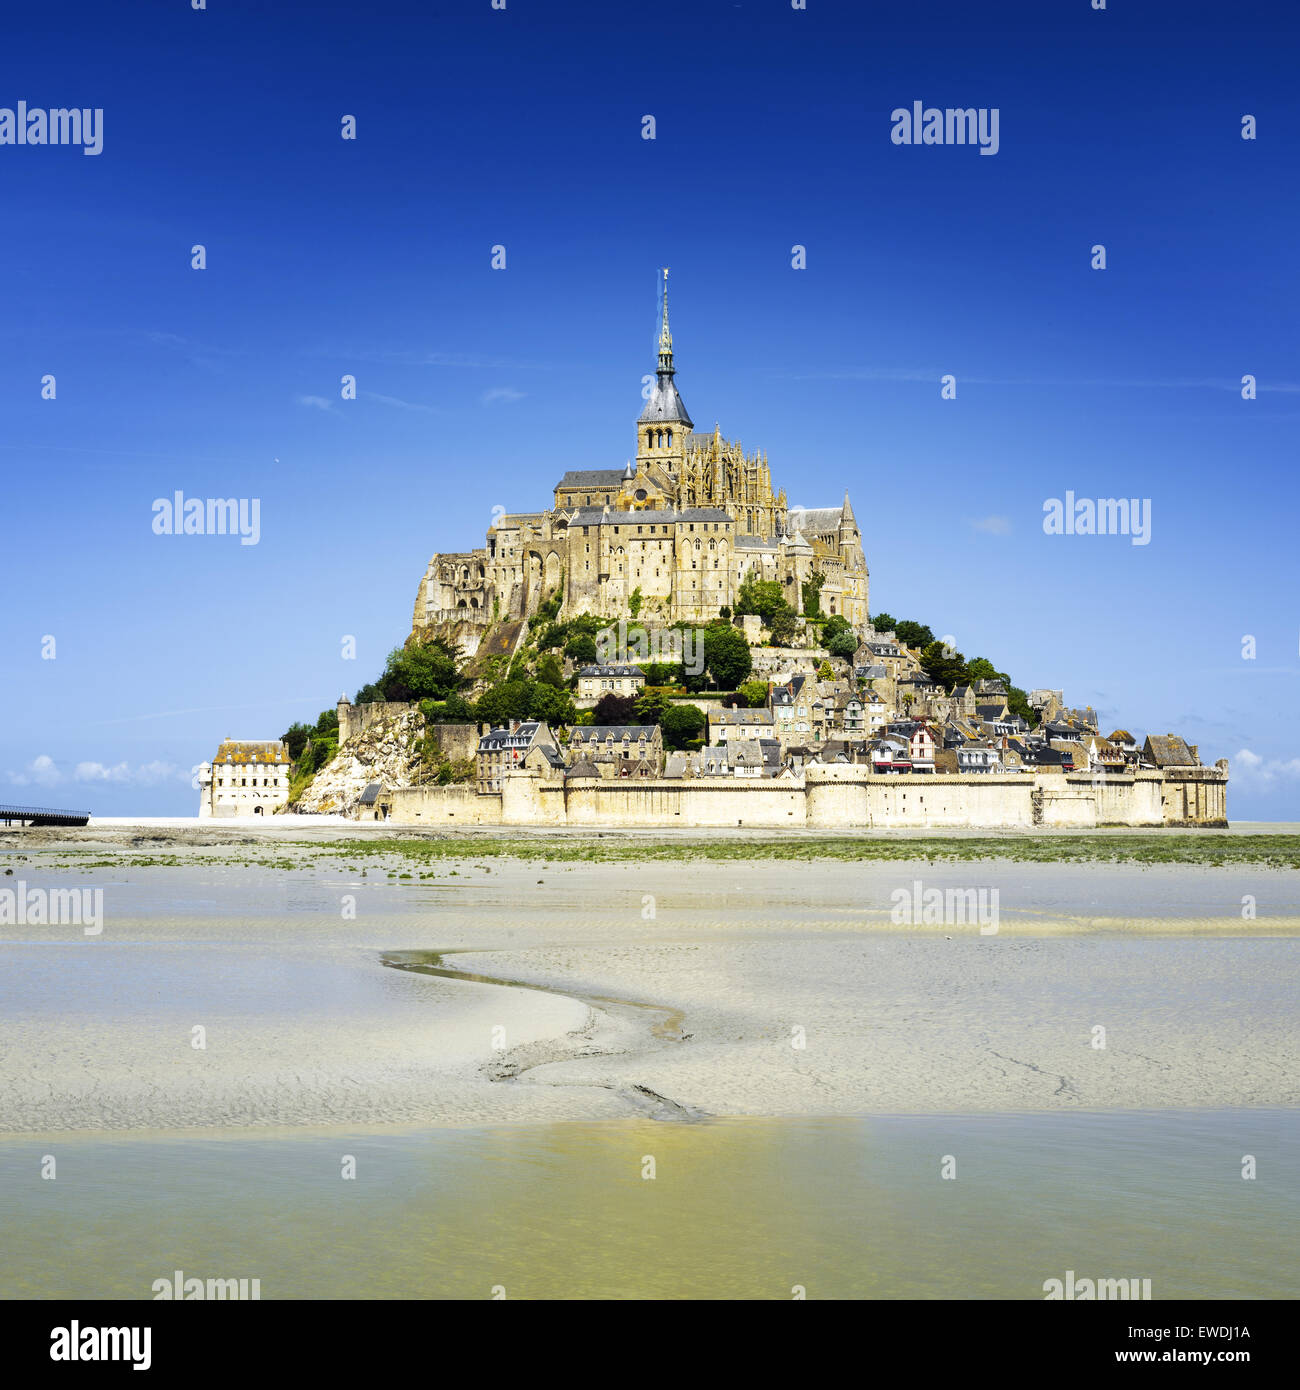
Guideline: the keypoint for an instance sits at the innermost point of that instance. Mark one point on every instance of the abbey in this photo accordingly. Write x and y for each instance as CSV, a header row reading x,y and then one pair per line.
x,y
680,527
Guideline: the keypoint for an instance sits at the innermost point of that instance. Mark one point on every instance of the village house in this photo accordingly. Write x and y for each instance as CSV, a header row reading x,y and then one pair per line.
x,y
889,754
248,777
1128,746
726,724
501,750
977,756
790,706
595,682
1168,750
1103,756
618,750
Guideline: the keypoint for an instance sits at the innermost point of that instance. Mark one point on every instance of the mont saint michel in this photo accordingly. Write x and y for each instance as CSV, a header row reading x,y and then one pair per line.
x,y
670,643
681,527
530,776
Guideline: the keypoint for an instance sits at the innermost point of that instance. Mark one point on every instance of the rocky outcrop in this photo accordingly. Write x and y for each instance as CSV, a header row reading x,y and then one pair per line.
x,y
387,752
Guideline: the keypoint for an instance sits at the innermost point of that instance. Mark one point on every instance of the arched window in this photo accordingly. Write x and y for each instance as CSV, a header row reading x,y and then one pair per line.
x,y
670,439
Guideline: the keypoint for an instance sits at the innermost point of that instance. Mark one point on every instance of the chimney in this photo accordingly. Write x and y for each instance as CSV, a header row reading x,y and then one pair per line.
x,y
1192,747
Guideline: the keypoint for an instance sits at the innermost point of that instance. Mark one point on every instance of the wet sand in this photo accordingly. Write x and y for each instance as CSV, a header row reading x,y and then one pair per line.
x,y
674,991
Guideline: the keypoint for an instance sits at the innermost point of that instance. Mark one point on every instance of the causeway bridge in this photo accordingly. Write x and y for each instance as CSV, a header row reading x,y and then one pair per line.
x,y
41,815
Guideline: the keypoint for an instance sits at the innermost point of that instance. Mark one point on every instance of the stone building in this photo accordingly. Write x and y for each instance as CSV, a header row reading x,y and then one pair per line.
x,y
618,750
505,749
595,682
246,778
682,526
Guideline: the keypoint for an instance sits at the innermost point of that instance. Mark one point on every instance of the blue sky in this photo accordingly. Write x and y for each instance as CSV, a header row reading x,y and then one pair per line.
x,y
479,387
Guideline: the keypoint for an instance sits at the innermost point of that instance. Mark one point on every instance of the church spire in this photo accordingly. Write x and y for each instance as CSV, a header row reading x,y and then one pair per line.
x,y
663,405
665,337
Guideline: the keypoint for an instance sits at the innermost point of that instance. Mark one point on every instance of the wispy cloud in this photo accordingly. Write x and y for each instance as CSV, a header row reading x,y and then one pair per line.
x,y
318,402
203,709
501,393
932,376
147,774
398,403
423,357
991,525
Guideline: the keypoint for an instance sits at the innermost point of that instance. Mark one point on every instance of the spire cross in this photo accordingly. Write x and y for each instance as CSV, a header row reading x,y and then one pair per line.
x,y
665,337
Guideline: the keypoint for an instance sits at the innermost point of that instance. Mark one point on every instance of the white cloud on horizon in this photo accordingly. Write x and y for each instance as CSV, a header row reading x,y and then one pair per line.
x,y
501,393
1249,767
43,771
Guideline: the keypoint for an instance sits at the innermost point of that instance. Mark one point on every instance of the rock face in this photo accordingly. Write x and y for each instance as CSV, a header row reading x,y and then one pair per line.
x,y
387,752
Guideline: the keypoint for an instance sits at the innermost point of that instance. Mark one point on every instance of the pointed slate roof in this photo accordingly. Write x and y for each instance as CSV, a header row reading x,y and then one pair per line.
x,y
665,404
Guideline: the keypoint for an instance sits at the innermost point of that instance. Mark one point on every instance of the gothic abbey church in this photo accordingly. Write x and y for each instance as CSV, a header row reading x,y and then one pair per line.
x,y
683,525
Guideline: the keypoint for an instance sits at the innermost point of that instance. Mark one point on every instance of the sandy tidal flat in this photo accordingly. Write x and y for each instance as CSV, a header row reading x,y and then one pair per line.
x,y
670,990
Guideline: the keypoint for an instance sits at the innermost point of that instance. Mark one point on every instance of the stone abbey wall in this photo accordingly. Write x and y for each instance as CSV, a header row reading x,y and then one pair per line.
x,y
833,798
453,805
354,720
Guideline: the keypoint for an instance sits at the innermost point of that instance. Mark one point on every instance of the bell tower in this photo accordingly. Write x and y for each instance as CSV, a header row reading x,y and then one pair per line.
x,y
664,424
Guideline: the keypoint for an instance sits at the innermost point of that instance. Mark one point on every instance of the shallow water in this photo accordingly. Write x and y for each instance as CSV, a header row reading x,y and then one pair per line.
x,y
306,1025
738,1208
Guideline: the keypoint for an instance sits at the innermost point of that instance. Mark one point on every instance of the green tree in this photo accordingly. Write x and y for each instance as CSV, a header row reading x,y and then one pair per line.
x,y
614,709
812,594
913,634
944,665
634,601
824,672
1018,703
783,624
726,655
884,622
550,671
980,668
295,739
504,702
683,726
662,672
553,705
651,704
833,626
759,596
455,709
426,672
842,645
581,649
753,694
